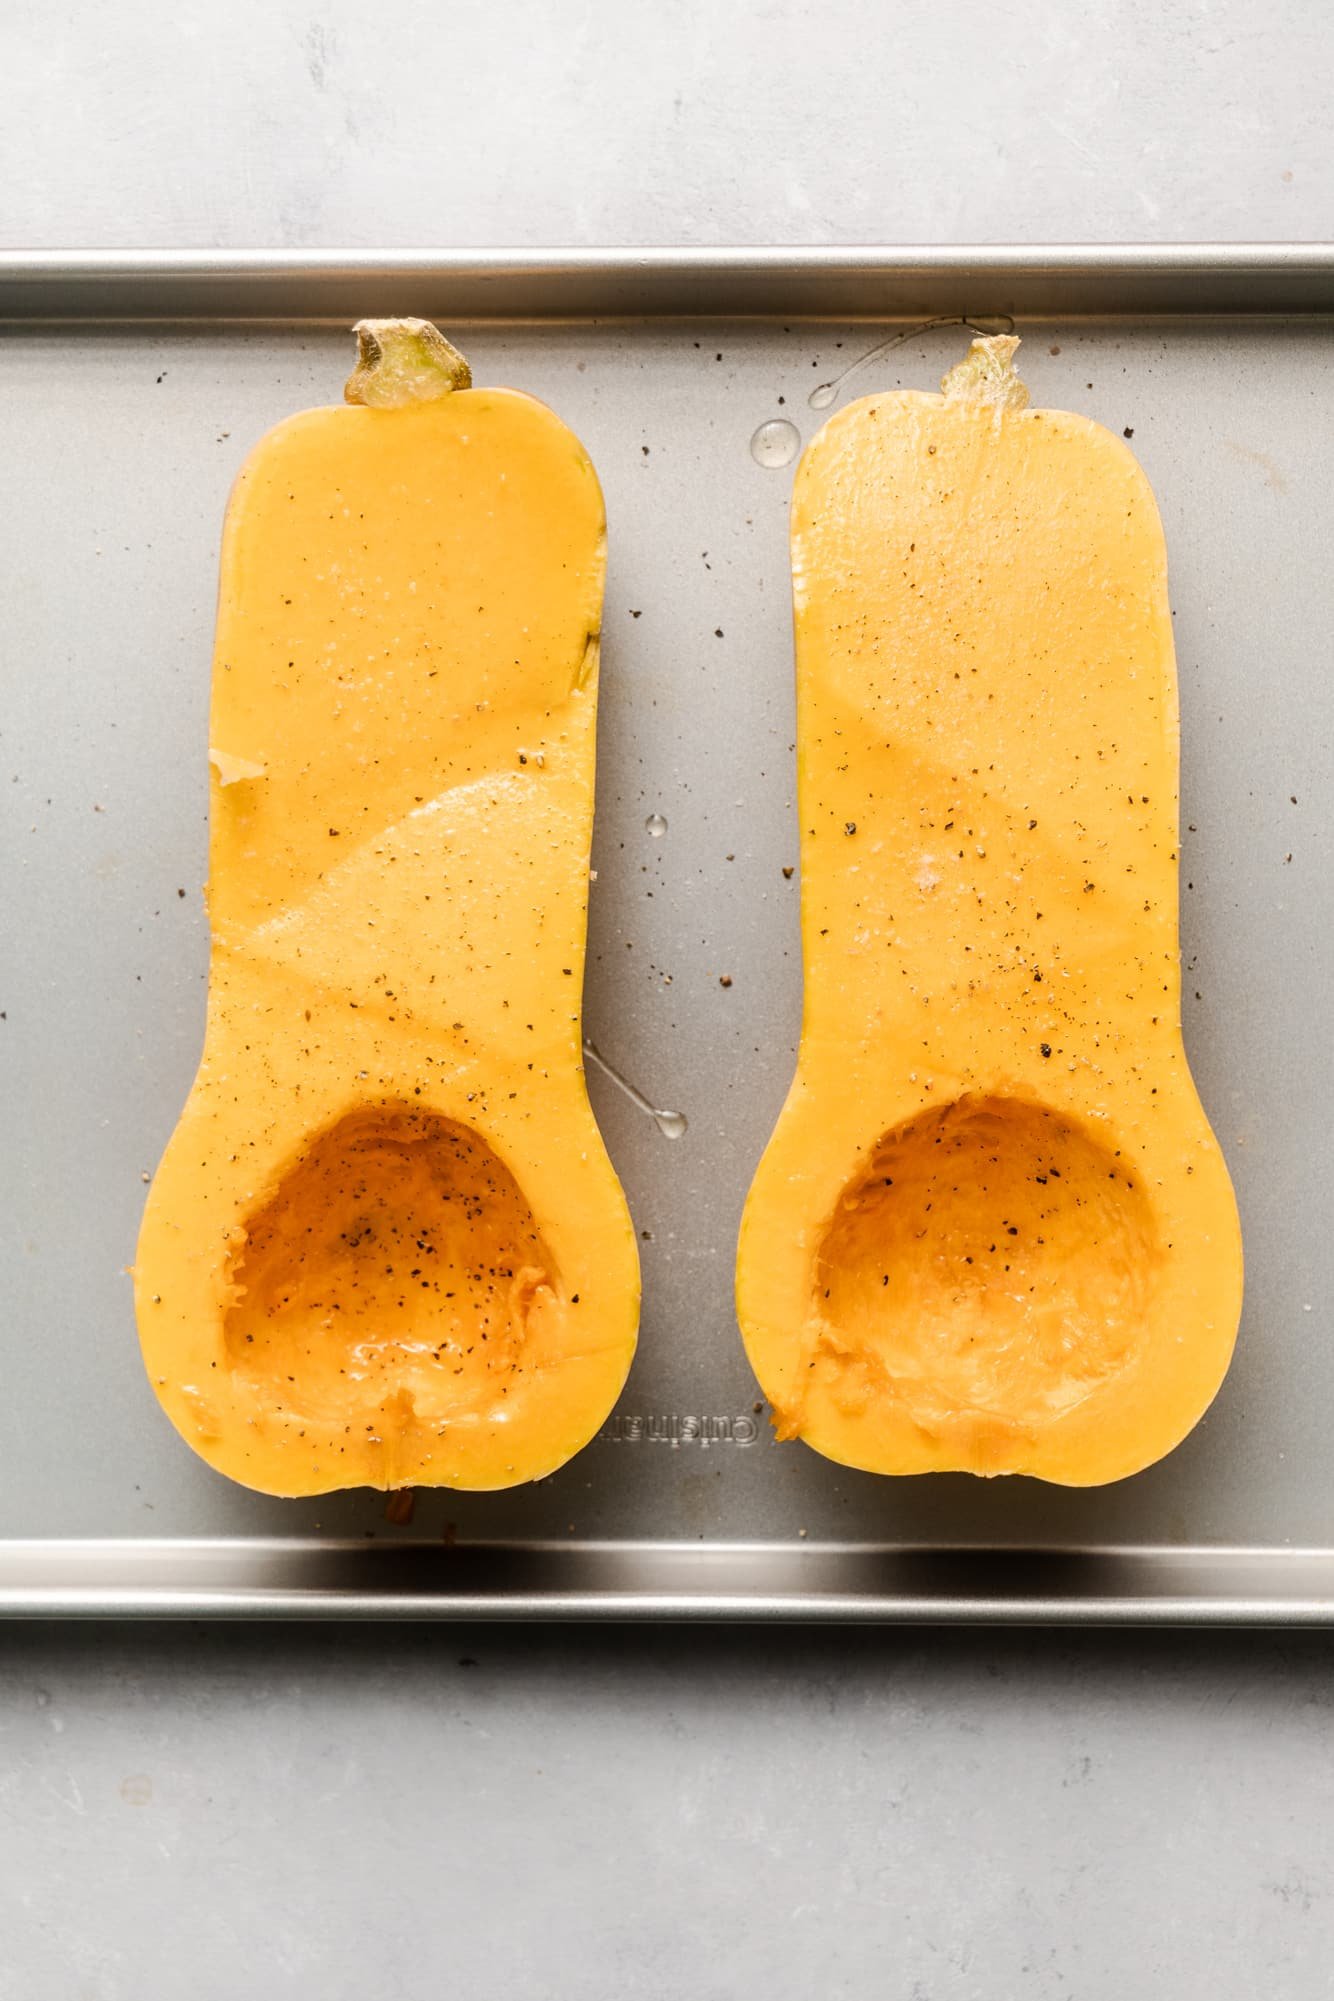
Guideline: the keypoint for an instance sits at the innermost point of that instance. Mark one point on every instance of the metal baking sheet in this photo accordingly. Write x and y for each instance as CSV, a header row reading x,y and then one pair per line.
x,y
130,389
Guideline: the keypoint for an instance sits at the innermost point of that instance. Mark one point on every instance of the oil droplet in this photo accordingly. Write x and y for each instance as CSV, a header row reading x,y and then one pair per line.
x,y
824,393
672,1125
655,825
775,444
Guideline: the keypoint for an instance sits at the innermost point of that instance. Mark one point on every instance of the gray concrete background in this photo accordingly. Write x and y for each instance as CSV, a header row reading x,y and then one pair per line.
x,y
664,1816
406,1813
683,121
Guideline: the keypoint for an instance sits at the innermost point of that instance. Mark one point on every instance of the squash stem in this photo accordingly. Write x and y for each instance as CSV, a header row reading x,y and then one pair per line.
x,y
987,375
400,362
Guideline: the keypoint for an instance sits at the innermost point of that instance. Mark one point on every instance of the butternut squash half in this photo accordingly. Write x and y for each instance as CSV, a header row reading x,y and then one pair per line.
x,y
385,1246
992,1231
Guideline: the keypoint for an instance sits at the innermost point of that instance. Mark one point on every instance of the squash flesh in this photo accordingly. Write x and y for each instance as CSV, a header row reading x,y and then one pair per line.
x,y
400,1257
385,1244
987,770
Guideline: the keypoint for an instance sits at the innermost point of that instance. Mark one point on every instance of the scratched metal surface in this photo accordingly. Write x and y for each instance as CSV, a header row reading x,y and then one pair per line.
x,y
119,446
